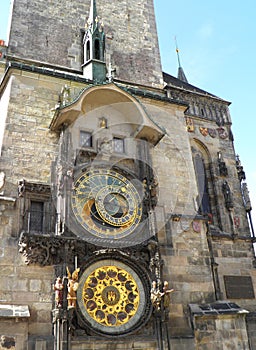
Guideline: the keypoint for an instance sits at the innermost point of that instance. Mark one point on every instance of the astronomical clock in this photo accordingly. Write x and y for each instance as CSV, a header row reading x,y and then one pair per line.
x,y
105,210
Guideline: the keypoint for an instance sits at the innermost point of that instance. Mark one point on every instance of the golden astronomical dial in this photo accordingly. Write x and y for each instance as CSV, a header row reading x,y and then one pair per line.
x,y
106,204
111,296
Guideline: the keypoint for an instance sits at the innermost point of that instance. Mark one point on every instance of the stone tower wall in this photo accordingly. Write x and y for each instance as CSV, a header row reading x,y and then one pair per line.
x,y
53,34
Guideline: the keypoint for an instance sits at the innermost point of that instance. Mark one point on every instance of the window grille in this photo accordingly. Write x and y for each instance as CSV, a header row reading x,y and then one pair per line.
x,y
118,145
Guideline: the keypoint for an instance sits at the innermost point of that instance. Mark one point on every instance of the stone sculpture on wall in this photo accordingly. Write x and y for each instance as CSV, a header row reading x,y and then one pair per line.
x,y
222,165
227,195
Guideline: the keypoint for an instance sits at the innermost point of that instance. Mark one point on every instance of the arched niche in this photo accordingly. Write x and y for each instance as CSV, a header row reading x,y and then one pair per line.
x,y
202,166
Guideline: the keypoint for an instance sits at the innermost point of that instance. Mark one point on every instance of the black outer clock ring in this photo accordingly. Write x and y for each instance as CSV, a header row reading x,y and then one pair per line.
x,y
140,274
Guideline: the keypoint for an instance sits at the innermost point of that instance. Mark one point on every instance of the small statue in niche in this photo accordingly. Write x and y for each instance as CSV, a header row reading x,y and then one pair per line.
x,y
240,169
111,70
72,287
58,287
65,98
222,165
105,146
246,197
227,195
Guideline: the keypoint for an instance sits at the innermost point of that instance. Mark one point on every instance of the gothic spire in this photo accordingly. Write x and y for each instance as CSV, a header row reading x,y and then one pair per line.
x,y
181,74
93,16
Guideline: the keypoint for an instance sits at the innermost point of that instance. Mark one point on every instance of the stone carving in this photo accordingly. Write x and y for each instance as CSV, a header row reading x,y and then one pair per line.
x,y
222,133
111,70
105,146
21,187
246,197
155,262
227,195
222,165
240,169
46,250
2,180
190,124
160,299
212,132
150,188
7,342
25,186
64,179
65,97
155,296
197,226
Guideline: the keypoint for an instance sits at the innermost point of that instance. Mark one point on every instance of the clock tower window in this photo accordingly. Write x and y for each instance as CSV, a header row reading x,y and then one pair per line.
x,y
88,51
36,216
118,144
85,139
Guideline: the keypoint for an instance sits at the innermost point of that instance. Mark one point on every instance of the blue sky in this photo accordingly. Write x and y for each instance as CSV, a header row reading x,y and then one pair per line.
x,y
217,49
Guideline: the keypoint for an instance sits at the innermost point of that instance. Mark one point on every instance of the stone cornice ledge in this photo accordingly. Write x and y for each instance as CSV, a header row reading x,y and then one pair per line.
x,y
14,311
7,200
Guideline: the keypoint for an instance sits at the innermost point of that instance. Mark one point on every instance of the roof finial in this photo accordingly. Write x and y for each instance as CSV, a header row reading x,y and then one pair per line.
x,y
181,74
177,50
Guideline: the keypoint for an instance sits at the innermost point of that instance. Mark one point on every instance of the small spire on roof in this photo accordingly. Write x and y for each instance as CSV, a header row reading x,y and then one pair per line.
x,y
181,74
93,20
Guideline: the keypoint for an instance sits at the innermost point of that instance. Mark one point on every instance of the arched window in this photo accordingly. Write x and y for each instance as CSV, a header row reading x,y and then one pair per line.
x,y
203,196
97,49
88,51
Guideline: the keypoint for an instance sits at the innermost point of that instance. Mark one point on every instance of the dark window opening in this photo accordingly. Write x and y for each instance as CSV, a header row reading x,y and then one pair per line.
x,y
40,218
203,200
85,139
97,49
88,51
36,216
118,145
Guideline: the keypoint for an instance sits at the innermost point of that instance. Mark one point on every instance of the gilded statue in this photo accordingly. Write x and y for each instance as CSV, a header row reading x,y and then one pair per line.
x,y
72,287
166,294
